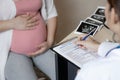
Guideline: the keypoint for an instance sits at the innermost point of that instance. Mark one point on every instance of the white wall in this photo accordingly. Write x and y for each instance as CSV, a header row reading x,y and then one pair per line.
x,y
71,12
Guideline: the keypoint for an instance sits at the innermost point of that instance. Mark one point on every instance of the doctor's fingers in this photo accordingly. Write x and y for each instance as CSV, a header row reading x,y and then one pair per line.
x,y
79,38
80,43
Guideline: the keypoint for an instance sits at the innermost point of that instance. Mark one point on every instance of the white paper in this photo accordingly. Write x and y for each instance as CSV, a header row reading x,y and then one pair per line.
x,y
74,54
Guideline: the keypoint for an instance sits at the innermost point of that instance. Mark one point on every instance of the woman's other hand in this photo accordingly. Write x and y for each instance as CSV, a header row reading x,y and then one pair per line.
x,y
89,43
41,48
24,22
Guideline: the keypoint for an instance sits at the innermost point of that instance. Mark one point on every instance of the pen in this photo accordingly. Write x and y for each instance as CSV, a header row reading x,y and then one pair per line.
x,y
105,25
84,38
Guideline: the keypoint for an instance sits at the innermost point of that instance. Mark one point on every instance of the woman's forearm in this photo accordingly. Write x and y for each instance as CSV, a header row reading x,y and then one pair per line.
x,y
5,25
22,22
51,28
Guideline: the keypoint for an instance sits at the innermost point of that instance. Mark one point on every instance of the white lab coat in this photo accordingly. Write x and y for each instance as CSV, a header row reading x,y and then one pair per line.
x,y
104,68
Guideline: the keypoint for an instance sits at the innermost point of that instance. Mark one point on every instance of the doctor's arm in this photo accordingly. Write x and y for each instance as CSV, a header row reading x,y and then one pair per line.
x,y
89,43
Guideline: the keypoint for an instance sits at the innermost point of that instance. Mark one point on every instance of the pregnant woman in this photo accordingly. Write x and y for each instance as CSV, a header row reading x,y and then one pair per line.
x,y
27,44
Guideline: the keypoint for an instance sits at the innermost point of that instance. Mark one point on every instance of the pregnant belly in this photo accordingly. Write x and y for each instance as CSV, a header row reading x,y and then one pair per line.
x,y
27,41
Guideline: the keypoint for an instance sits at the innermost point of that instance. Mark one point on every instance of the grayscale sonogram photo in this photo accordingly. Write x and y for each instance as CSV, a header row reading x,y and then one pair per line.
x,y
92,21
99,18
86,28
100,11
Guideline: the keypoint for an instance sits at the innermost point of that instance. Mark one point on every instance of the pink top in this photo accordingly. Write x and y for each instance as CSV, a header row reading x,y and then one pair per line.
x,y
26,41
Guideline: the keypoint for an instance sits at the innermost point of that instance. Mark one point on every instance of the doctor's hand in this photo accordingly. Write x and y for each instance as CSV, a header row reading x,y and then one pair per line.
x,y
89,43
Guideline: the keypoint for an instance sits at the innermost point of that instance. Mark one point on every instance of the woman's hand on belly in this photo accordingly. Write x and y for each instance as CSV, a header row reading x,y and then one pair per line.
x,y
41,48
24,22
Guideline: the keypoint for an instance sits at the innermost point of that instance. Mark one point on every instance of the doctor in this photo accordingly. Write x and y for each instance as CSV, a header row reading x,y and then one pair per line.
x,y
108,66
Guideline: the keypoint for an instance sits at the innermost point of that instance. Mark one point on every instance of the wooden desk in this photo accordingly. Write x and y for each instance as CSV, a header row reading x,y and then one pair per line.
x,y
102,35
67,70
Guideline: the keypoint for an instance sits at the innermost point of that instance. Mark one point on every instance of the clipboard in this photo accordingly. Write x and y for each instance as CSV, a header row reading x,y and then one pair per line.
x,y
74,53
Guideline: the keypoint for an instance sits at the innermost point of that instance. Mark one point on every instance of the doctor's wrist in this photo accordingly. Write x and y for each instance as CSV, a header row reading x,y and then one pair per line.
x,y
96,46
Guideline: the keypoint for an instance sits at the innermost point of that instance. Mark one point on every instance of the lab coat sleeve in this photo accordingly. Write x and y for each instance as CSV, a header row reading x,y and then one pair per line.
x,y
83,74
94,70
98,68
48,9
105,47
